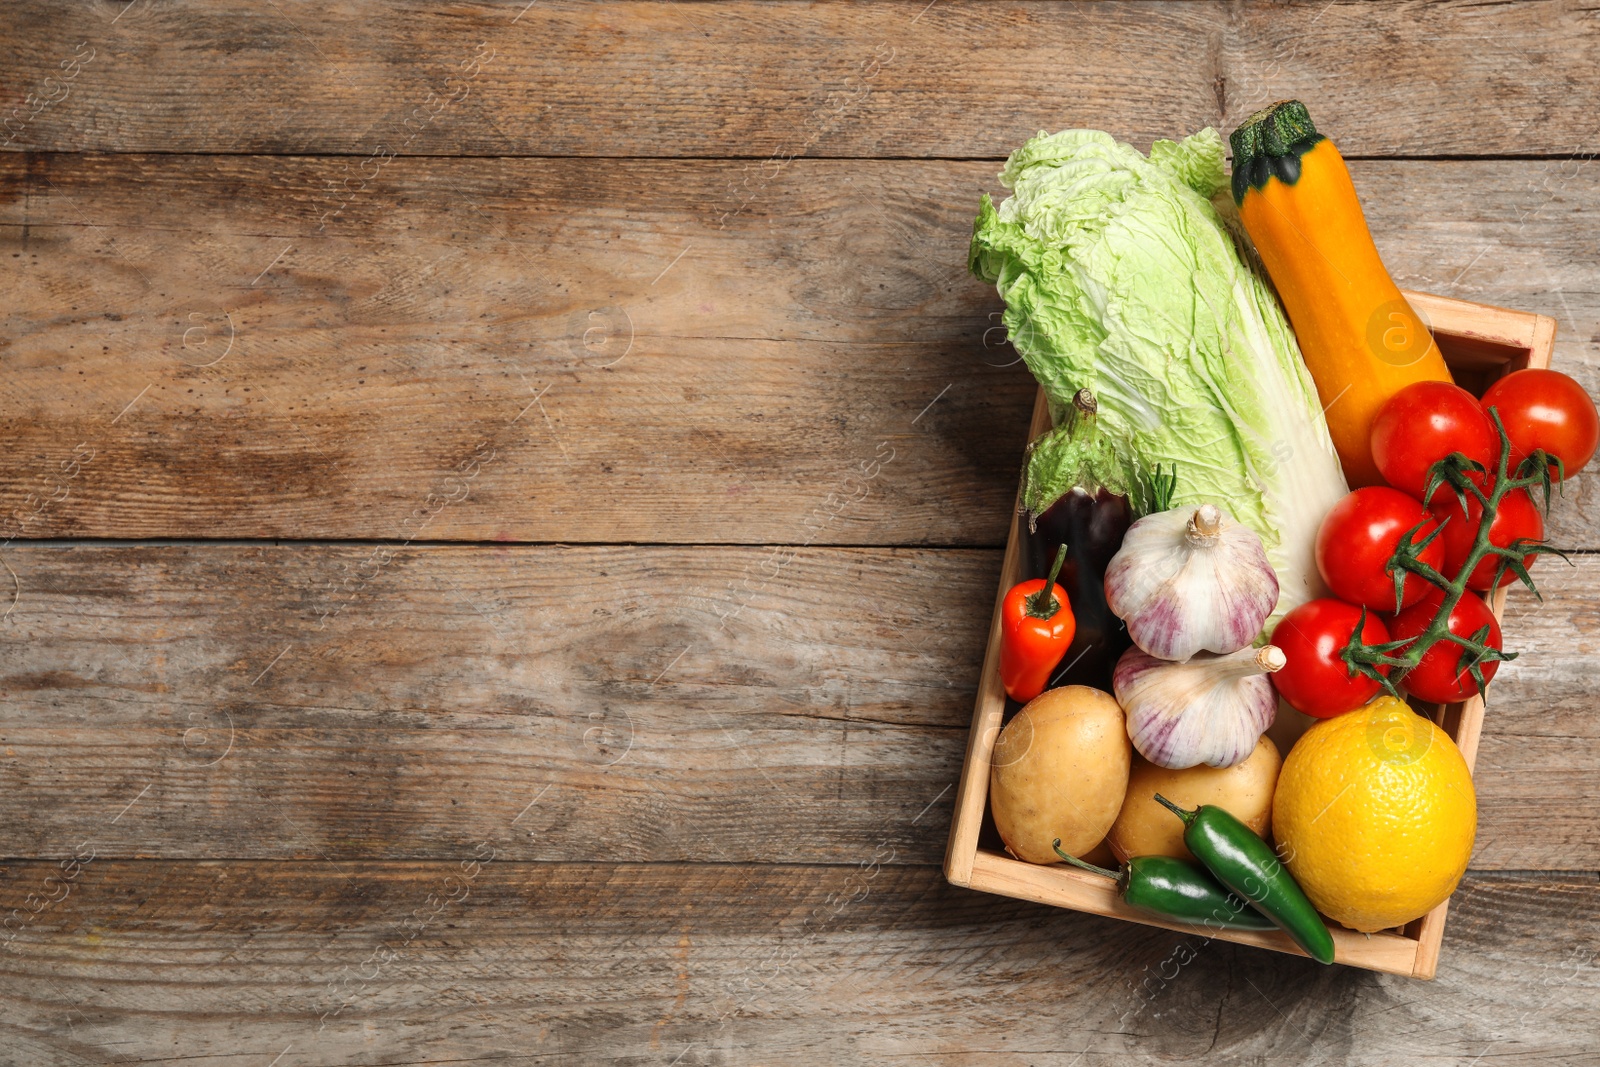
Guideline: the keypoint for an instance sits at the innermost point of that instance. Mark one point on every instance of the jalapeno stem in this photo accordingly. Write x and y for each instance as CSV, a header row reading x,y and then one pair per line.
x,y
1239,859
1188,817
1076,862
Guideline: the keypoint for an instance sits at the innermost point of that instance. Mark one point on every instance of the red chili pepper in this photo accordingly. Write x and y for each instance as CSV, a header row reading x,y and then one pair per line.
x,y
1036,626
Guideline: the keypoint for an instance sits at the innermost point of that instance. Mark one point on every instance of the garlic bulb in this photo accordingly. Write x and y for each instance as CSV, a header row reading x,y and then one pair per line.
x,y
1190,581
1209,709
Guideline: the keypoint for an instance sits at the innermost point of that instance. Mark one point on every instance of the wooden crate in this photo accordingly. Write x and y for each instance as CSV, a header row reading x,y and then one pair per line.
x,y
1480,343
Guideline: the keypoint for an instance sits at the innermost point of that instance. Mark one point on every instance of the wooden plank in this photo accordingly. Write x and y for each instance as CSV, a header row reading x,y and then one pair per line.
x,y
663,703
1484,323
768,81
1441,79
238,962
699,704
1531,764
628,372
833,325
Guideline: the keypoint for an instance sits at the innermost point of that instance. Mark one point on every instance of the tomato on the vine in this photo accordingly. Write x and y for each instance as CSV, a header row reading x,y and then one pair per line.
x,y
1516,519
1422,424
1546,409
1357,539
1315,679
1440,676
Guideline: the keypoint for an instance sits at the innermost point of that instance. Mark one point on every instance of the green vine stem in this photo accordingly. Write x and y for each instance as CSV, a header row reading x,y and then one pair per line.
x,y
1455,471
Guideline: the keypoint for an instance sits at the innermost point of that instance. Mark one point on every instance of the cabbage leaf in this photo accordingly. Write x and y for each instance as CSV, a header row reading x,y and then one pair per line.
x,y
1130,276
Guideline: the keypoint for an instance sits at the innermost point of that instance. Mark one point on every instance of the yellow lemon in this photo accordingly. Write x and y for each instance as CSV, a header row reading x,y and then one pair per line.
x,y
1374,815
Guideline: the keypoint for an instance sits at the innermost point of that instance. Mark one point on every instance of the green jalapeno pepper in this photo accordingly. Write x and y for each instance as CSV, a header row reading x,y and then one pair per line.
x,y
1248,866
1178,890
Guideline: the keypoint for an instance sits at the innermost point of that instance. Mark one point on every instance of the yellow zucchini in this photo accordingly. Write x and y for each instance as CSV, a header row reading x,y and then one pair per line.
x,y
1361,341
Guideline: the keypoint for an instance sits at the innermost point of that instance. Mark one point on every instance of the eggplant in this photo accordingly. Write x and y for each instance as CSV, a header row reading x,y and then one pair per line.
x,y
1083,491
1091,525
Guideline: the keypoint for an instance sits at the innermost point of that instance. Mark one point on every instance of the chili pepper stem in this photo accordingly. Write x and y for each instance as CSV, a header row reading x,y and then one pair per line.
x,y
1043,604
1187,816
1076,862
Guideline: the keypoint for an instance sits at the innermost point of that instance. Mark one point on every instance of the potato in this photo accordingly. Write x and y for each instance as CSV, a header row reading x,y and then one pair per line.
x,y
1059,769
1145,828
1099,856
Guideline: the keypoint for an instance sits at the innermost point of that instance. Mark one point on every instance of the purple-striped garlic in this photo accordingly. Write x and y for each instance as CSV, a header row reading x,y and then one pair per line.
x,y
1191,580
1208,709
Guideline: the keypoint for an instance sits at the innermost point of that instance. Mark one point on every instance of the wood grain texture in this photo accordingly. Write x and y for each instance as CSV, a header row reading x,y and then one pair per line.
x,y
757,80
662,703
639,374
675,796
694,383
236,963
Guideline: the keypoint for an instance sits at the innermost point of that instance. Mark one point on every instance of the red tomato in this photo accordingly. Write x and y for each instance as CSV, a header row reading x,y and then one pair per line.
x,y
1439,676
1516,519
1358,537
1422,424
1546,409
1315,679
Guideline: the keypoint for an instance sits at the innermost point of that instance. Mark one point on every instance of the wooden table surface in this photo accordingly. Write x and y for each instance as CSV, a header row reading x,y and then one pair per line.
x,y
502,504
